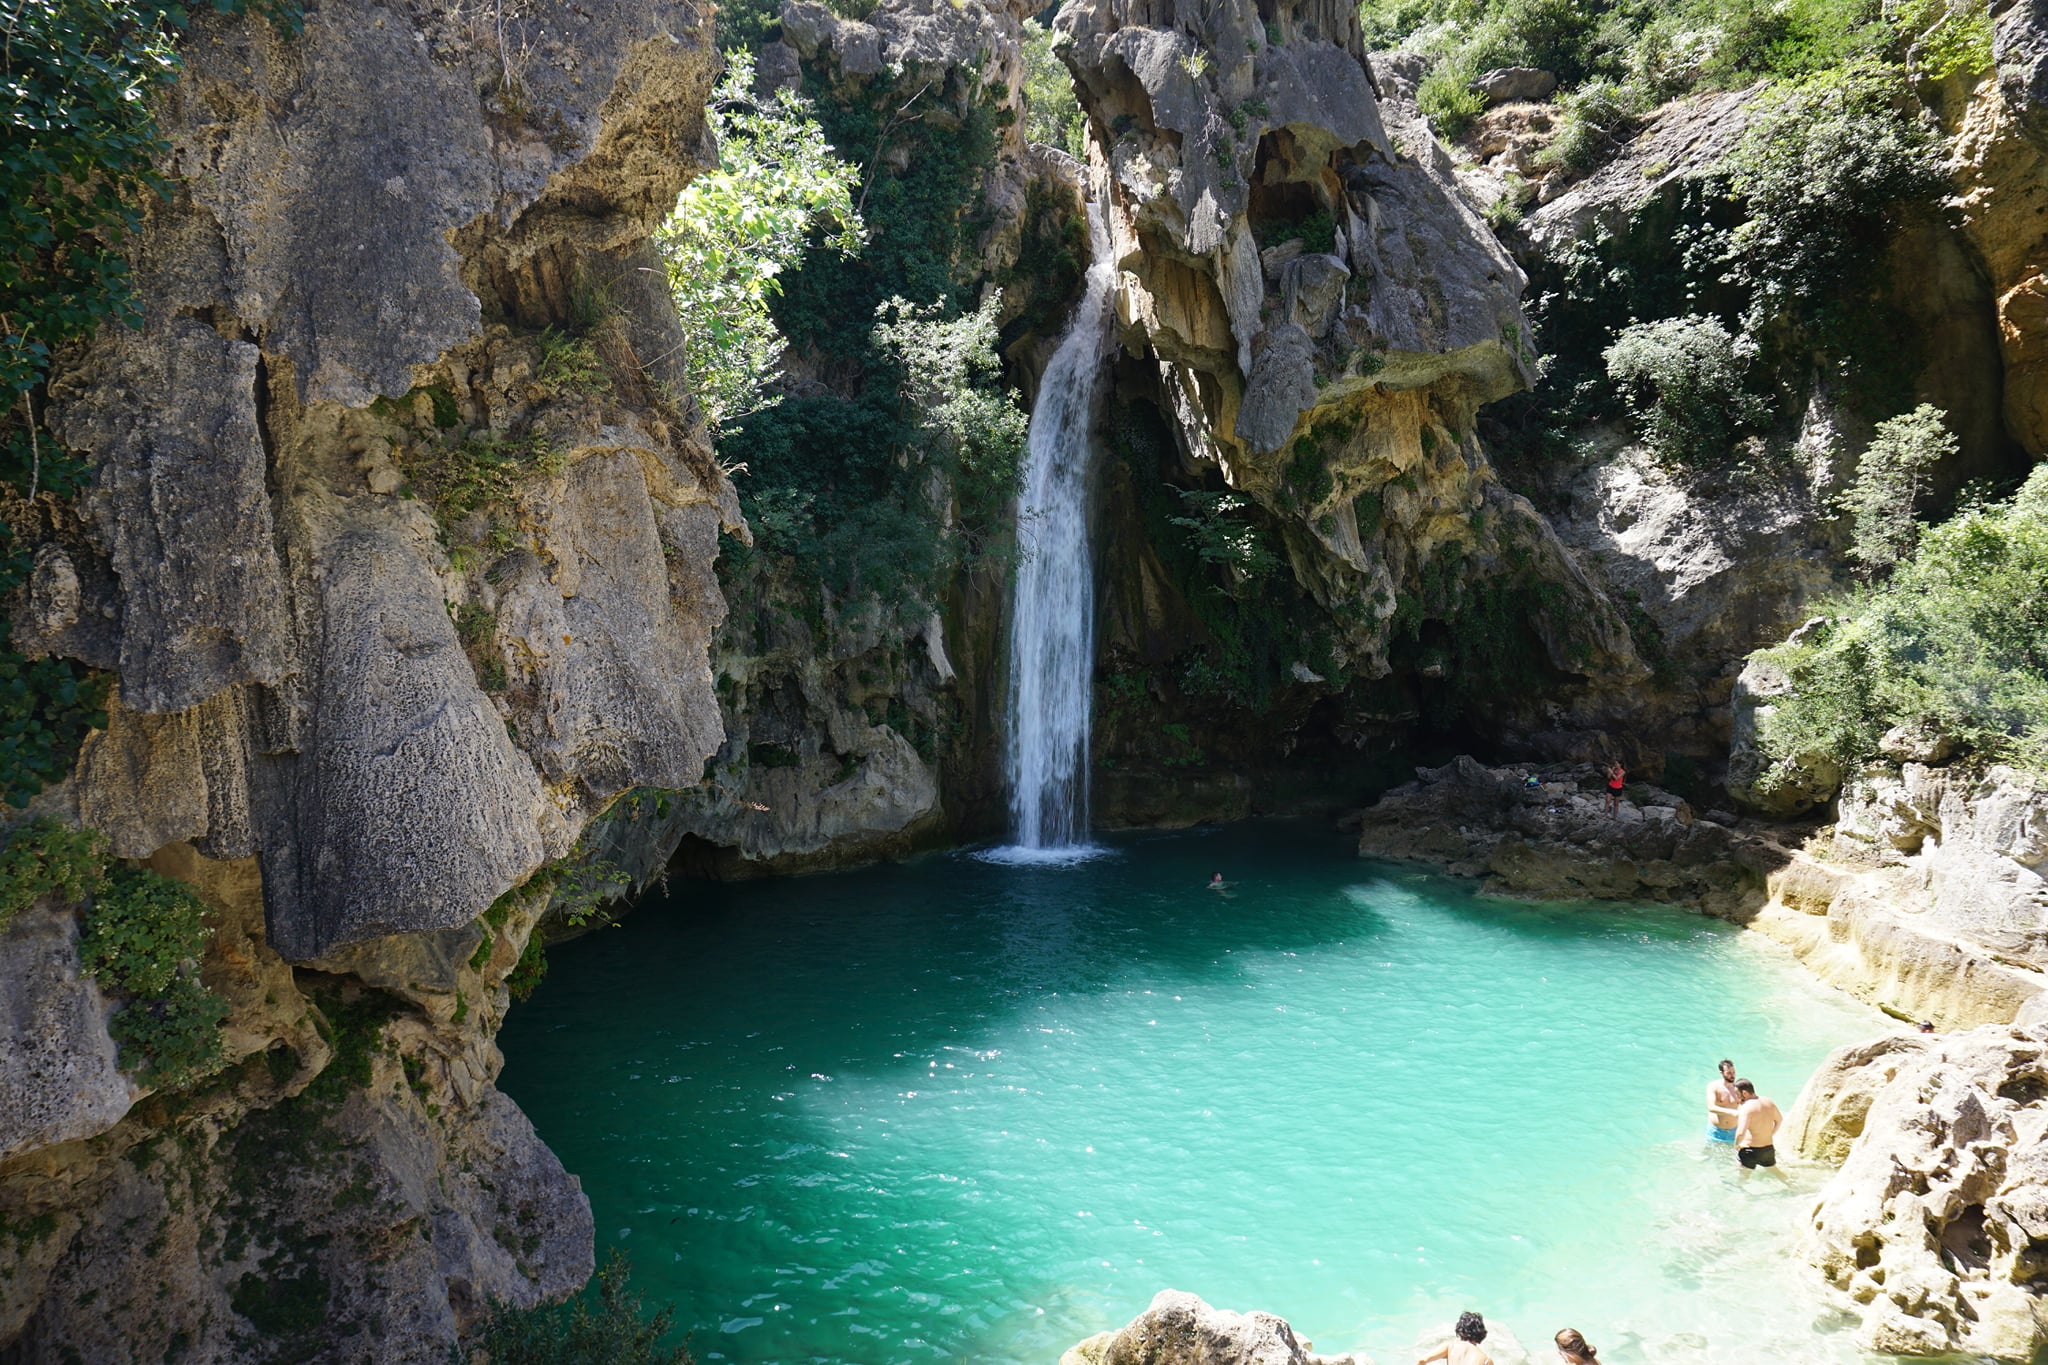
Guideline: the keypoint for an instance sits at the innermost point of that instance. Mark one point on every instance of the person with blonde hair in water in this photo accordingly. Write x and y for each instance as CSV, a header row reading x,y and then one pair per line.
x,y
1573,1349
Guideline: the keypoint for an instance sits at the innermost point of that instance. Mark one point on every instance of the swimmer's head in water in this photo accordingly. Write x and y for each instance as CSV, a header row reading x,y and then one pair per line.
x,y
1746,1088
1571,1344
1215,876
1471,1327
1727,1070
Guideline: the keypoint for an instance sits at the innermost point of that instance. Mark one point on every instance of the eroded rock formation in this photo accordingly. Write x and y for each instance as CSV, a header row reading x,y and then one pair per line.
x,y
1180,1329
1937,1222
1324,313
1554,840
400,550
1928,894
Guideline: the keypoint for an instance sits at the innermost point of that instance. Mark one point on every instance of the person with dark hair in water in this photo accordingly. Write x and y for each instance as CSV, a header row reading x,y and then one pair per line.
x,y
1573,1349
1756,1130
1470,1331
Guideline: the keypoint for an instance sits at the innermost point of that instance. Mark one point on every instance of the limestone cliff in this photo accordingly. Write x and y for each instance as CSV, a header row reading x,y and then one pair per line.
x,y
1320,314
857,727
400,551
1938,1217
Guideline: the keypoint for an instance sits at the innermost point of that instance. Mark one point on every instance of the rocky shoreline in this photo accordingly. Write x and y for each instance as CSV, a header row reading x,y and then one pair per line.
x,y
1924,898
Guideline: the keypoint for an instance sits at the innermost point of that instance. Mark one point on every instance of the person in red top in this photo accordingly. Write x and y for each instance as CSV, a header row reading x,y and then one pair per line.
x,y
1616,779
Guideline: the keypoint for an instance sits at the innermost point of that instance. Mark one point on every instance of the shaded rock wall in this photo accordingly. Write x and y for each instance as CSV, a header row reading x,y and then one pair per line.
x,y
396,603
1323,312
279,612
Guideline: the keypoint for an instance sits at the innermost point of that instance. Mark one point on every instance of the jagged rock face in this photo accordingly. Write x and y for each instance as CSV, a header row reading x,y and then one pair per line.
x,y
1937,1221
278,611
1180,1329
1927,896
352,1187
396,604
1333,378
855,729
2001,177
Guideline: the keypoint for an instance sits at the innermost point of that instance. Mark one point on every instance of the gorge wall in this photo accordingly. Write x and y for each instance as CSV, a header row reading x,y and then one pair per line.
x,y
400,554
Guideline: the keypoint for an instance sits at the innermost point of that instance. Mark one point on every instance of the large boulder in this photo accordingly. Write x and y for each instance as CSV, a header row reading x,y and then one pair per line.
x,y
1781,787
1934,1225
1510,84
1179,1329
1552,838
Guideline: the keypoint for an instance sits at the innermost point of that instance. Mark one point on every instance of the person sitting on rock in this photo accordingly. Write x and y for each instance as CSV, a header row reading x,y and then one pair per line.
x,y
1470,1331
1756,1128
1573,1349
1617,778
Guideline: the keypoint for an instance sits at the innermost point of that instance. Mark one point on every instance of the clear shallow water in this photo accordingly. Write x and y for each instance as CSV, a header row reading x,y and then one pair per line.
x,y
967,1111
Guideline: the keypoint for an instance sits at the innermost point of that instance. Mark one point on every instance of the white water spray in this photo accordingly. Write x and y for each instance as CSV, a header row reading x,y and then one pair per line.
x,y
1052,624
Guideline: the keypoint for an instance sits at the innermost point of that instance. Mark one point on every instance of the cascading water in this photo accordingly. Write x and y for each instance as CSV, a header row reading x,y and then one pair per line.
x,y
1052,624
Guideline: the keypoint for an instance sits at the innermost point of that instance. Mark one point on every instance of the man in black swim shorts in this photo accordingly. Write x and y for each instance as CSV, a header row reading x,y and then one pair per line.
x,y
1756,1128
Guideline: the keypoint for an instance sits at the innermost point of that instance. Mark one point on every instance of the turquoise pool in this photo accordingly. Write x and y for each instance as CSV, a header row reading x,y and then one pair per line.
x,y
957,1110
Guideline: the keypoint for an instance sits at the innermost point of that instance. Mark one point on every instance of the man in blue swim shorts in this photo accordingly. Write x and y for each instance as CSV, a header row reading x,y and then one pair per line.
x,y
1722,1102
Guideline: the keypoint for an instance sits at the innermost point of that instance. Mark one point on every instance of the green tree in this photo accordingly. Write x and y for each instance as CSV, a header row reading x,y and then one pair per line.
x,y
1890,479
1052,113
1684,379
616,1331
1956,639
953,382
778,189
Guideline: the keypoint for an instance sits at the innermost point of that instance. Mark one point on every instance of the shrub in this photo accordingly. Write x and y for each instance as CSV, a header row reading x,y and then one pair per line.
x,y
1447,96
779,189
1956,638
616,1331
1593,116
1828,174
1218,528
143,938
1684,381
44,856
570,364
1052,112
479,478
1889,481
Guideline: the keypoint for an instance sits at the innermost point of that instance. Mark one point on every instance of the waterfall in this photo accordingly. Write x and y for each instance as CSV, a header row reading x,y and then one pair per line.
x,y
1052,623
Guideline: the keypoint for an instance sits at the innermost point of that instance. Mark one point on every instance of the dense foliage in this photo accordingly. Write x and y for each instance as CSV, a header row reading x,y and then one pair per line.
x,y
1684,379
1648,51
45,856
143,939
1776,250
1052,113
1955,641
777,192
1890,480
848,480
616,1330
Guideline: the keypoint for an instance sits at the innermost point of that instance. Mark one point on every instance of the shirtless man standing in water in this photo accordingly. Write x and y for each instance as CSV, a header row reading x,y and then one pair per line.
x,y
1756,1126
1722,1102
